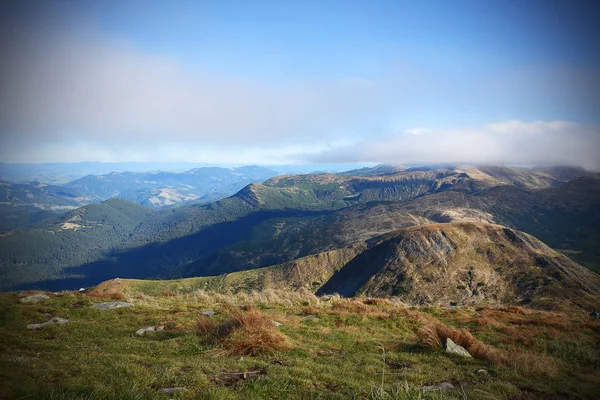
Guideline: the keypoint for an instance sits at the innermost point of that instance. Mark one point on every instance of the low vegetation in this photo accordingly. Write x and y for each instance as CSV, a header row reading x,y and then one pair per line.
x,y
292,345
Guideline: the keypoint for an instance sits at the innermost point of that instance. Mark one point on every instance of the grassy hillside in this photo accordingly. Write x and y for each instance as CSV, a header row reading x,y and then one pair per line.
x,y
326,348
438,264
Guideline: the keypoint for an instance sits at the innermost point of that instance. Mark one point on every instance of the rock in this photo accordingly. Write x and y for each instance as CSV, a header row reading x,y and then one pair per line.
x,y
276,323
309,317
55,320
81,290
457,349
143,331
160,328
172,390
111,304
441,386
209,313
36,298
482,372
47,315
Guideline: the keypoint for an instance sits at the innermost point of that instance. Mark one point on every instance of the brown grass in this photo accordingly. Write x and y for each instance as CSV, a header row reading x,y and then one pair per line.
x,y
530,364
374,301
244,333
310,310
108,295
435,335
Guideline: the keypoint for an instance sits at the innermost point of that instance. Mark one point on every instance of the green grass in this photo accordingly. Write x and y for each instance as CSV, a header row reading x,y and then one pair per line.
x,y
349,350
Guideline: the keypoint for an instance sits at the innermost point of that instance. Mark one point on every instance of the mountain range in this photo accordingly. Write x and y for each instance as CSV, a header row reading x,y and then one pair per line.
x,y
343,217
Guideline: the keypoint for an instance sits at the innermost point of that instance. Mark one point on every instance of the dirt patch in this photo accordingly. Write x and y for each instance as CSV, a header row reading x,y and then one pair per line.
x,y
235,379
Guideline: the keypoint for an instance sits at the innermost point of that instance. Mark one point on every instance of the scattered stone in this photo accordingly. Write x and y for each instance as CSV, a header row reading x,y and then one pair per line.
x,y
309,317
172,390
482,372
448,307
160,328
111,304
81,290
457,349
209,313
441,386
276,323
36,298
47,315
143,331
55,320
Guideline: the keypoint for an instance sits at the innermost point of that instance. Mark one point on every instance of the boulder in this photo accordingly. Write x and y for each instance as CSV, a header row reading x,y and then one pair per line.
x,y
111,304
143,331
55,320
457,349
36,298
441,386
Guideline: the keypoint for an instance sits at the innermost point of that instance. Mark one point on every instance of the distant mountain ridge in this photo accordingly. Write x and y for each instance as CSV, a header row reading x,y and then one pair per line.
x,y
288,217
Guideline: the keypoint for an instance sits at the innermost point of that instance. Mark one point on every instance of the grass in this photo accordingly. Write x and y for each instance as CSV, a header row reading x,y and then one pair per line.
x,y
327,348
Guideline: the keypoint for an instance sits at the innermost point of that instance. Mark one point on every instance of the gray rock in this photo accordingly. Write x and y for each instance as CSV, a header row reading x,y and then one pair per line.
x,y
457,349
36,298
111,304
441,386
55,320
143,331
209,313
160,328
309,317
172,390
482,372
276,323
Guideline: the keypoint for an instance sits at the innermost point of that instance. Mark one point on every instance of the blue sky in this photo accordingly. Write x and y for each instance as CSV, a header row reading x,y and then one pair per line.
x,y
300,81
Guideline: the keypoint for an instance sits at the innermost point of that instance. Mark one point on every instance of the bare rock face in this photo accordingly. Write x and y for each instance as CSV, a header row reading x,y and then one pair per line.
x,y
55,320
36,298
111,305
457,349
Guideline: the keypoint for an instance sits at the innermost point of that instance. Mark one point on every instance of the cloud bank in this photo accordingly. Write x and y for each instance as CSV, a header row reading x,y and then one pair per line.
x,y
74,94
509,142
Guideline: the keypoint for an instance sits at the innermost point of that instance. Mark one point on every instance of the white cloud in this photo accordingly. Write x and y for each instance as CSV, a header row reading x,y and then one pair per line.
x,y
509,142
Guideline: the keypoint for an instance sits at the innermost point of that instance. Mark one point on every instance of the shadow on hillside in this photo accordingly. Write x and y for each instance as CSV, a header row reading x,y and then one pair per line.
x,y
163,260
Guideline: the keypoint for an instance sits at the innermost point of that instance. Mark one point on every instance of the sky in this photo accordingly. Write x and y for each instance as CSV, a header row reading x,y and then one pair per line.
x,y
276,81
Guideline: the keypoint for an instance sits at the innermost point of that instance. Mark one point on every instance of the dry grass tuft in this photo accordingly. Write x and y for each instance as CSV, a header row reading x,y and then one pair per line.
x,y
515,310
530,364
310,310
374,301
108,295
244,333
435,335
486,321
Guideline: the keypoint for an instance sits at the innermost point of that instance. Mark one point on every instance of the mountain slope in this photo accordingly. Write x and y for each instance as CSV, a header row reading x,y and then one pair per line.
x,y
465,263
436,264
73,239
